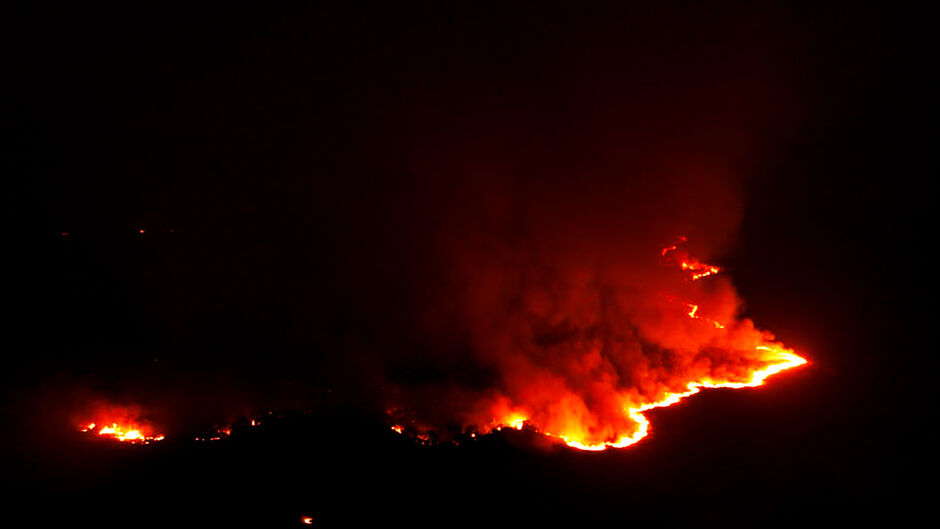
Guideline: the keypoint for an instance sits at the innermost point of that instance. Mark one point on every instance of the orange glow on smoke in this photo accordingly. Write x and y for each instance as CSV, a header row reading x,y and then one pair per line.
x,y
689,350
767,358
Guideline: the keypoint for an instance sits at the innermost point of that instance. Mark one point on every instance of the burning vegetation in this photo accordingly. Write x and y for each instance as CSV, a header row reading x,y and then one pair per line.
x,y
580,363
124,424
588,379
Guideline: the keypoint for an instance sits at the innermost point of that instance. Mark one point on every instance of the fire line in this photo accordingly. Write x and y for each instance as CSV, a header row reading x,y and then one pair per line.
x,y
755,349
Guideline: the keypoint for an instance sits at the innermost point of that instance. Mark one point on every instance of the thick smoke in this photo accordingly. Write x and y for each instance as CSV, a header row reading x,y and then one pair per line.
x,y
550,297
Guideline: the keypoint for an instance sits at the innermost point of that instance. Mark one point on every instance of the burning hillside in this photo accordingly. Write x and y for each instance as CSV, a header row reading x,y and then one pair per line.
x,y
586,364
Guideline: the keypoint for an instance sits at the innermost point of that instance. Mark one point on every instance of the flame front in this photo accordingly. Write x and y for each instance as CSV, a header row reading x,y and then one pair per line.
x,y
778,357
599,383
772,358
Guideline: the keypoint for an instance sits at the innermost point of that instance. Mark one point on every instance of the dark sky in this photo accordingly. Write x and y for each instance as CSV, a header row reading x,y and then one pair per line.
x,y
312,181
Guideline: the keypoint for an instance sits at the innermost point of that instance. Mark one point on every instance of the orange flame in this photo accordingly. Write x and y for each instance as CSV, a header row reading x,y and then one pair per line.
x,y
120,423
124,432
774,357
779,358
730,354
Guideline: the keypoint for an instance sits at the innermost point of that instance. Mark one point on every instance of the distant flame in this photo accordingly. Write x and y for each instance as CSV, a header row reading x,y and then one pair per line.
x,y
128,433
697,269
120,423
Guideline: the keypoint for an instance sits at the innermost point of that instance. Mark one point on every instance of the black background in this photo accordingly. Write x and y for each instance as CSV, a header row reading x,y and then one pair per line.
x,y
237,129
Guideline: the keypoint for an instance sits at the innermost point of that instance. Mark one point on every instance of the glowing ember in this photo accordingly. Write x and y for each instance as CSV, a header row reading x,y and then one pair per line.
x,y
307,520
693,313
679,348
697,269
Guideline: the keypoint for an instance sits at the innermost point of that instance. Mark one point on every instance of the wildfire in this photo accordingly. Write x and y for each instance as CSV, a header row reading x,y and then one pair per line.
x,y
515,420
697,269
693,313
782,359
117,422
124,432
730,353
773,357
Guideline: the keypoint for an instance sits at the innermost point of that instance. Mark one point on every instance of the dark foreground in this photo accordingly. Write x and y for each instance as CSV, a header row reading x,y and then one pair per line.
x,y
777,455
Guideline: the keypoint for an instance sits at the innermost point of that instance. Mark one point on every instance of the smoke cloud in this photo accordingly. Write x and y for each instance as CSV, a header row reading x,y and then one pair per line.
x,y
518,271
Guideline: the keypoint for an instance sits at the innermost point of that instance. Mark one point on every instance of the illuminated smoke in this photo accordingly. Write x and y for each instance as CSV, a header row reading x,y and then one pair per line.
x,y
574,334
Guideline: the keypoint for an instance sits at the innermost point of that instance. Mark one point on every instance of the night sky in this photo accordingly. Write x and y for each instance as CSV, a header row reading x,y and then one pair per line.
x,y
217,212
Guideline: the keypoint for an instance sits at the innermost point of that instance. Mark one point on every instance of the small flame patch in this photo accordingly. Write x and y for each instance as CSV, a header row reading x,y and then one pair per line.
x,y
123,432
